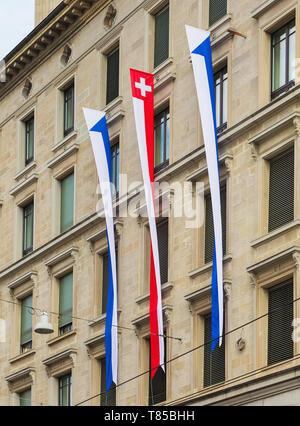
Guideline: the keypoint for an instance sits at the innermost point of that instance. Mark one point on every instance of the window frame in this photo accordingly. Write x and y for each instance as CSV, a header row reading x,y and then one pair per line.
x,y
166,143
70,129
69,389
109,54
115,170
65,328
156,64
210,24
220,74
29,120
29,249
61,180
27,346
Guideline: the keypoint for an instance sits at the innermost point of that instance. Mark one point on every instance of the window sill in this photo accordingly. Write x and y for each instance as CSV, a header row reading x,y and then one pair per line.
x,y
276,233
164,73
146,297
114,110
67,152
205,268
65,140
25,171
21,357
58,339
24,184
219,31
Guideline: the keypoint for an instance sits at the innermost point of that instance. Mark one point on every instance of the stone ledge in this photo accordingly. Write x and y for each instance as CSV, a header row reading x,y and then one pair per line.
x,y
205,268
274,234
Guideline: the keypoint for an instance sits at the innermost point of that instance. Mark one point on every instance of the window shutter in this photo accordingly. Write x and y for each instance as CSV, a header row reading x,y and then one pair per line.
x,y
217,9
28,229
163,245
25,398
109,399
214,363
67,203
209,226
161,47
26,320
66,300
281,192
112,87
281,314
158,385
105,277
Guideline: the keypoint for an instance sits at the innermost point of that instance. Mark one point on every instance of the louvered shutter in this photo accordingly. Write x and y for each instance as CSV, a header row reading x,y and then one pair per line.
x,y
67,203
26,320
158,385
209,226
281,313
161,47
217,9
106,399
105,276
112,86
214,363
163,246
65,300
281,192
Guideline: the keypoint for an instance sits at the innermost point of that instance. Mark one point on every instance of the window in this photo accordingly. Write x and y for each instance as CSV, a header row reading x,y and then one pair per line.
x,y
283,59
217,9
221,78
112,79
65,390
209,226
281,313
107,399
163,237
67,203
68,110
115,166
65,304
158,385
105,277
281,190
161,44
29,140
26,324
214,363
25,398
27,229
161,140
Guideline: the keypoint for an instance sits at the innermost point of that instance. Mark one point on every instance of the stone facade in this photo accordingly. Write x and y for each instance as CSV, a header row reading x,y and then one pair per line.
x,y
255,259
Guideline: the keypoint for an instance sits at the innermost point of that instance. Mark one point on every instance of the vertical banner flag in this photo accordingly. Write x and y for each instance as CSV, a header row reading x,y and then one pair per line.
x,y
97,126
200,49
143,105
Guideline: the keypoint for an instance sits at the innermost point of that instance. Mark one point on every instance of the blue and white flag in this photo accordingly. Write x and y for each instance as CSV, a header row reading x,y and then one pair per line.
x,y
200,49
97,126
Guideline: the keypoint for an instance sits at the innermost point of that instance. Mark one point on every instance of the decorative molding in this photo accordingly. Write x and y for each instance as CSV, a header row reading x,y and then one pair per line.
x,y
65,140
164,74
118,226
110,16
61,362
205,268
144,319
63,156
97,342
205,292
263,8
25,171
111,38
20,380
253,279
29,276
276,233
225,159
70,252
114,110
23,356
23,185
145,297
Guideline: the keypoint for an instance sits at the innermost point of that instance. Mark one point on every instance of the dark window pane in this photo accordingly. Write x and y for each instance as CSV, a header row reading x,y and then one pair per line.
x,y
28,229
105,278
107,399
67,203
214,363
217,9
209,226
161,139
115,164
29,140
65,303
161,48
220,79
163,244
281,192
112,82
68,110
158,385
26,324
65,390
281,313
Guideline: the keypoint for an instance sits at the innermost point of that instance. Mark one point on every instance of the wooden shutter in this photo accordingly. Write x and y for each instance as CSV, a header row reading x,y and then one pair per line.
x,y
209,225
106,399
281,192
66,300
67,203
26,320
112,87
214,363
217,9
163,247
158,385
281,313
161,47
105,277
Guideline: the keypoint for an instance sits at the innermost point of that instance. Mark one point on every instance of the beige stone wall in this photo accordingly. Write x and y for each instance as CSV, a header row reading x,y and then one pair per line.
x,y
43,8
252,118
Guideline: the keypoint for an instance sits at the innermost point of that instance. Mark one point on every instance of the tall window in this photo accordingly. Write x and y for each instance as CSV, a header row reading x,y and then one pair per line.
x,y
221,79
161,140
105,277
163,245
112,79
25,398
283,59
106,399
217,9
26,324
68,110
214,363
65,322
27,229
158,385
281,190
67,202
161,46
281,314
209,226
65,390
115,166
29,140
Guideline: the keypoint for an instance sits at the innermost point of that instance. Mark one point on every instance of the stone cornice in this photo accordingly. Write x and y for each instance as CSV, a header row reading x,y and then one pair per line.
x,y
29,276
292,253
263,8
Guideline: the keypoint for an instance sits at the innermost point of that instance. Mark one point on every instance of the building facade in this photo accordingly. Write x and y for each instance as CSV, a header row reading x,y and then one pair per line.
x,y
53,246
